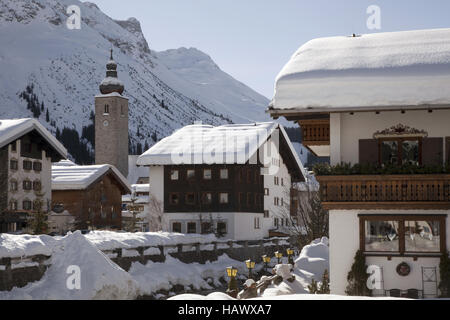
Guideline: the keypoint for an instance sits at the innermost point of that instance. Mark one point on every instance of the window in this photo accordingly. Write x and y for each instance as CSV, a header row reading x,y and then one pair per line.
x,y
207,198
26,205
256,198
13,205
221,228
422,236
275,181
275,222
282,181
14,164
207,174
256,223
266,213
223,173
106,109
176,227
223,197
276,201
37,186
14,146
37,205
37,166
206,227
174,198
13,185
173,174
27,165
249,176
191,227
27,185
398,151
190,174
241,198
266,191
103,214
190,198
282,202
402,234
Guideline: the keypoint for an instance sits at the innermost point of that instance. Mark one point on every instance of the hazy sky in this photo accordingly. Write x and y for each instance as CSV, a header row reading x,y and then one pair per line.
x,y
253,39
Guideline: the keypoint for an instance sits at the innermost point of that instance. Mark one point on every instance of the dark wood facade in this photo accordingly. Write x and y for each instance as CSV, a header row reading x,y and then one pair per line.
x,y
415,191
99,206
244,186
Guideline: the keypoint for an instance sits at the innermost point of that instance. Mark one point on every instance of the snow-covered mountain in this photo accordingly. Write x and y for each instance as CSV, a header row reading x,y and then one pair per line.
x,y
53,72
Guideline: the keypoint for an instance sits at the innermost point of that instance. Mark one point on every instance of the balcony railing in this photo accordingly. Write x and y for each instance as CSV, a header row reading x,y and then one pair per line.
x,y
415,191
315,132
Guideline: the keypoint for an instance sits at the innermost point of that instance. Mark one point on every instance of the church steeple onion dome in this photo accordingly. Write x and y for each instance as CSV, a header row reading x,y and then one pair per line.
x,y
111,83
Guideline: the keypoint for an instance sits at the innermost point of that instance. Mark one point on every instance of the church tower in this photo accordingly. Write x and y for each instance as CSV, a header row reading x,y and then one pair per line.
x,y
111,121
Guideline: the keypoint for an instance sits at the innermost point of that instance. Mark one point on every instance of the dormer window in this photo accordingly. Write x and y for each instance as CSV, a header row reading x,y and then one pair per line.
x,y
106,109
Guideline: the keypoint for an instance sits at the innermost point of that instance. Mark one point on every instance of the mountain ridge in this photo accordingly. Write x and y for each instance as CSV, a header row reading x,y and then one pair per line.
x,y
64,68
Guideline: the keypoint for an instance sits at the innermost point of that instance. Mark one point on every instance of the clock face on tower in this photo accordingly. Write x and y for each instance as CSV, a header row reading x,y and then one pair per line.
x,y
105,123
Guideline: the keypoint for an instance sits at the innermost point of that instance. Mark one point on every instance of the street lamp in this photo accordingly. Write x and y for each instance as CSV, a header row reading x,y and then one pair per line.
x,y
232,290
278,255
250,266
290,253
266,260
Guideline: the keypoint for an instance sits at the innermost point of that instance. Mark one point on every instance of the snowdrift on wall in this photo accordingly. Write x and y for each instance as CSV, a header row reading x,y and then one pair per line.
x,y
314,258
100,277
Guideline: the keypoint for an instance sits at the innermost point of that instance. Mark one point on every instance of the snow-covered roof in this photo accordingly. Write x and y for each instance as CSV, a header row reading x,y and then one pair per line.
x,y
409,69
139,199
13,129
206,144
80,177
142,187
112,94
64,163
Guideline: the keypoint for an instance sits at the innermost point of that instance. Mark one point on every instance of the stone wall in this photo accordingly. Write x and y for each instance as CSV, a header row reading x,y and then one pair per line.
x,y
18,272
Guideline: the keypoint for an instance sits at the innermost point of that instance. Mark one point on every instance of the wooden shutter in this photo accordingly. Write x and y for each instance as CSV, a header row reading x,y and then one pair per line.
x,y
447,150
432,151
368,151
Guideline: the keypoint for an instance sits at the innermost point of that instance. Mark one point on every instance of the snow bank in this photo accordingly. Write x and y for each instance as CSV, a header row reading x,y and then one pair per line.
x,y
155,276
100,278
314,258
109,240
211,296
15,246
323,297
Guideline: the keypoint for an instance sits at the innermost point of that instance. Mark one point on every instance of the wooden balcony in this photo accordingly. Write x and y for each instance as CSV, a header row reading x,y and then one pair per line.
x,y
415,191
316,135
315,132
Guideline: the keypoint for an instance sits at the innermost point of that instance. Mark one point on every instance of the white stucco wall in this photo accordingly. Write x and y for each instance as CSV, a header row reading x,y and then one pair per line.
x,y
347,129
344,242
240,225
280,191
156,179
